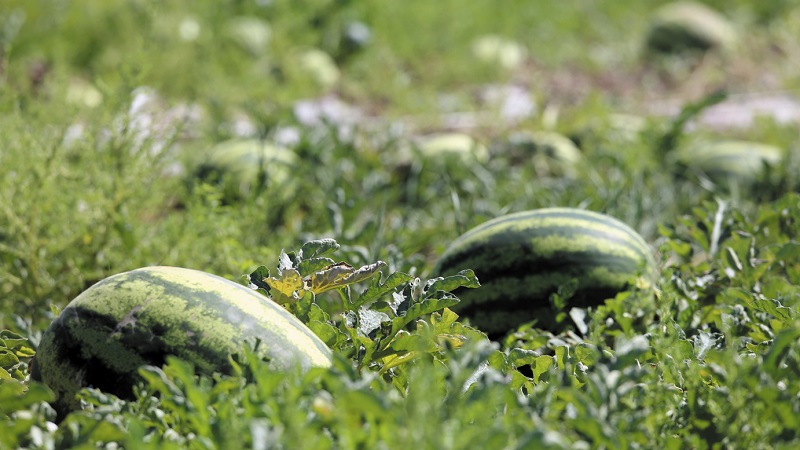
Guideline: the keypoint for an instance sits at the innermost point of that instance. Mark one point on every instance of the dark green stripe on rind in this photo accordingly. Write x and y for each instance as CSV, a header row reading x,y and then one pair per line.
x,y
141,316
522,258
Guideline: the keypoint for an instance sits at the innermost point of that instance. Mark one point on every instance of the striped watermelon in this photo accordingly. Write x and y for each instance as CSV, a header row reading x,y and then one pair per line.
x,y
240,164
689,26
139,317
727,161
452,146
523,258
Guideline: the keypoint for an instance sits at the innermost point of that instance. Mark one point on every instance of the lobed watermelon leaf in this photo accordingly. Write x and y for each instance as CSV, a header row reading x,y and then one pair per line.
x,y
371,326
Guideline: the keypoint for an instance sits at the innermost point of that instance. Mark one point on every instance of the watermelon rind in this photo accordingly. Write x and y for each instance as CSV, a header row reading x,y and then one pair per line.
x,y
521,259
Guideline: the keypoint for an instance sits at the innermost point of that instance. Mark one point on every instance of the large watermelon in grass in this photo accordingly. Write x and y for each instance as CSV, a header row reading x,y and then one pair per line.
x,y
139,317
522,259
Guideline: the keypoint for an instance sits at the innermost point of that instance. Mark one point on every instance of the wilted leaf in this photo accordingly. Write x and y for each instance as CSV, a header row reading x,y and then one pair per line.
x,y
339,275
328,277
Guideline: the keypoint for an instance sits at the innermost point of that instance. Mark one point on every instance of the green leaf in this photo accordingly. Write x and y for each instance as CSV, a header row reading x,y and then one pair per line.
x,y
317,248
584,353
789,251
498,361
669,140
518,357
302,304
258,277
784,342
443,322
325,331
377,289
773,307
406,342
317,313
465,278
10,337
7,358
16,395
562,354
158,380
540,366
309,266
427,306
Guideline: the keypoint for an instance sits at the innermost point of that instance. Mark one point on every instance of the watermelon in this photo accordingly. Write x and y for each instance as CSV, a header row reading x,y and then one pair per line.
x,y
451,147
521,259
243,166
687,26
498,52
548,151
251,34
729,161
139,317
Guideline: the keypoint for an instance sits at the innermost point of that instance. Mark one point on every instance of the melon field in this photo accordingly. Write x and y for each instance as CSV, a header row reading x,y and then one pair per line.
x,y
362,224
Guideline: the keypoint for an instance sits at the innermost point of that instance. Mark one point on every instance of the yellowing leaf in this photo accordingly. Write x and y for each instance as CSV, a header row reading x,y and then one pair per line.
x,y
289,282
328,278
340,275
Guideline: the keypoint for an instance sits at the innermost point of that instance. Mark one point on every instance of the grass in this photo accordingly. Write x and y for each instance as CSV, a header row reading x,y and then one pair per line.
x,y
105,107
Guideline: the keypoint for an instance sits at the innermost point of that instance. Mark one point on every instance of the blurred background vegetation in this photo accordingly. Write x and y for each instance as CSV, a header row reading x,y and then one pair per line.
x,y
108,106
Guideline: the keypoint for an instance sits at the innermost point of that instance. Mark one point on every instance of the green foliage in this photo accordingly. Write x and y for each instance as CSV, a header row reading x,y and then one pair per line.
x,y
371,325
